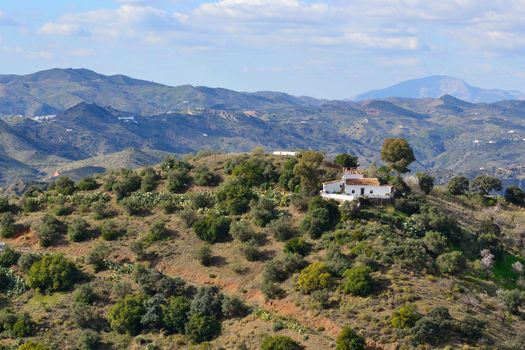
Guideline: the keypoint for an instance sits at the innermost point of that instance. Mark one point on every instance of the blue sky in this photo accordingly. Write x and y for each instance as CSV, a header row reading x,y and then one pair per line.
x,y
320,48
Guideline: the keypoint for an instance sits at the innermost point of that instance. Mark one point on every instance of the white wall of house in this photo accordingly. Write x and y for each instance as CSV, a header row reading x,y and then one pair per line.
x,y
338,197
333,187
368,191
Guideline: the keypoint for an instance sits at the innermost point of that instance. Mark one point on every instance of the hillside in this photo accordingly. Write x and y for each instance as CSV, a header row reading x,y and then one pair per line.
x,y
439,85
144,247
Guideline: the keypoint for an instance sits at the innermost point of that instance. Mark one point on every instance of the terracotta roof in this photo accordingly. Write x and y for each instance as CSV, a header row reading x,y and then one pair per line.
x,y
363,182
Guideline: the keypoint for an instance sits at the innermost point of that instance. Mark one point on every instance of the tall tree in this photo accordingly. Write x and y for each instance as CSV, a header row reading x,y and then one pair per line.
x,y
398,154
346,160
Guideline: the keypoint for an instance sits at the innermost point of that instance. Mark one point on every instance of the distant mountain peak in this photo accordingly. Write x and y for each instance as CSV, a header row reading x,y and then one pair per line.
x,y
436,86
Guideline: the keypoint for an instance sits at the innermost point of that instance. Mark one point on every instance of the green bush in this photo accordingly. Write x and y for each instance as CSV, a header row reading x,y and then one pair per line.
x,y
179,181
78,230
29,204
358,281
32,346
22,327
515,195
88,340
152,282
207,301
282,229
405,317
279,342
212,228
298,246
150,179
4,204
451,263
62,210
435,242
426,182
484,184
110,231
346,160
314,277
511,299
64,185
233,307
201,200
158,231
279,269
87,184
434,328
50,230
200,328
204,177
125,315
204,255
255,172
321,216
470,328
84,294
348,339
52,273
97,256
458,185
8,257
263,211
250,251
175,314
26,260
242,231
235,197
128,182
7,225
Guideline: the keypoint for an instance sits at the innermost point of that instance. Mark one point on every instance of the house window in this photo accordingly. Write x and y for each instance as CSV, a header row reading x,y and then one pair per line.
x,y
353,191
371,191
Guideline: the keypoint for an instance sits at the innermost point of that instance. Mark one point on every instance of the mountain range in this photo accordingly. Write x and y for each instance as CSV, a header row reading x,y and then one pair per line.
x,y
439,85
77,122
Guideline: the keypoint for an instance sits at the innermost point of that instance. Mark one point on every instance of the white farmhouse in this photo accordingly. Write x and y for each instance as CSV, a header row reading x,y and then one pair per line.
x,y
353,185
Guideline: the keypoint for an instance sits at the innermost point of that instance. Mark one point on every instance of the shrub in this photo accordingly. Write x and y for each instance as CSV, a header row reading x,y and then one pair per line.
x,y
125,315
282,229
279,342
62,210
405,317
511,299
346,160
152,318
152,282
451,263
242,231
272,290
4,204
84,294
207,301
255,172
150,179
128,182
179,181
157,231
212,228
50,230
434,327
100,210
32,346
29,204
358,281
314,277
435,242
175,314
471,328
201,200
23,327
88,340
233,307
7,225
87,184
426,182
235,197
298,246
204,177
188,216
279,269
78,230
64,185
322,216
458,185
84,315
200,328
204,255
484,184
136,205
515,195
348,339
110,231
97,256
263,211
250,251
8,257
52,273
26,260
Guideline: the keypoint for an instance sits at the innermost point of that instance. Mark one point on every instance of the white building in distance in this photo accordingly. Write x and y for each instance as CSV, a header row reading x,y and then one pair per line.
x,y
353,185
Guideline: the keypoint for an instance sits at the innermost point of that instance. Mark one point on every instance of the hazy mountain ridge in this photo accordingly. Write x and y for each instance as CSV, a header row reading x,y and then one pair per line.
x,y
449,135
439,85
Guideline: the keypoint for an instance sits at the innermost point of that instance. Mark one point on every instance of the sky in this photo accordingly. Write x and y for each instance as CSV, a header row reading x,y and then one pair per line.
x,y
319,48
